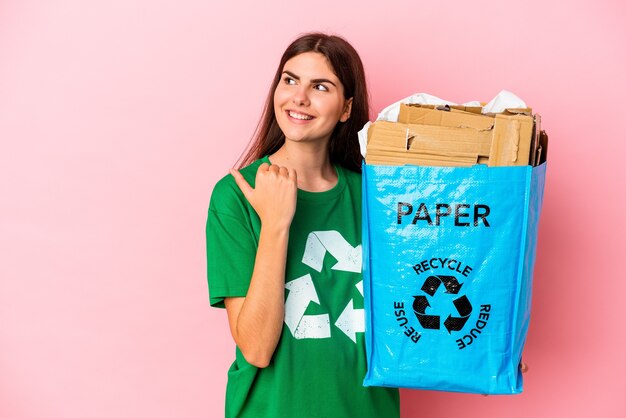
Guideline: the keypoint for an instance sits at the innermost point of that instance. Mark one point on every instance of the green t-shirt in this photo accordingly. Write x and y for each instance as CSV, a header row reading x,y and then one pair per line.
x,y
318,367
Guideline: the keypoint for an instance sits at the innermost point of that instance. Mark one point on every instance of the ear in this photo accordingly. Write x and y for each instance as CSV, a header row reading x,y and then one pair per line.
x,y
346,110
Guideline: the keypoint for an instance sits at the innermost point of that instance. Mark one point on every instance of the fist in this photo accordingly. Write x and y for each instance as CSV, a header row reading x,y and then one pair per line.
x,y
274,194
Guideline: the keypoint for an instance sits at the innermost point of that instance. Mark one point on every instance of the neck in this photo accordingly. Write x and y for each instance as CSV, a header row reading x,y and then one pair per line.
x,y
311,162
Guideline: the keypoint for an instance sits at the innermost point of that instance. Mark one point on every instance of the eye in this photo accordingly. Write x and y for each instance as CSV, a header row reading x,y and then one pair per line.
x,y
289,80
320,87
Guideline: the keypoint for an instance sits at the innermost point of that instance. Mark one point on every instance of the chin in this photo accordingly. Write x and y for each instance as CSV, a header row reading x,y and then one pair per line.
x,y
305,139
299,139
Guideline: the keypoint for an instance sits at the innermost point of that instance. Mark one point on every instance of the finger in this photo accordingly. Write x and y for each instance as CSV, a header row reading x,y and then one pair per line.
x,y
273,169
264,167
293,175
284,171
243,185
523,367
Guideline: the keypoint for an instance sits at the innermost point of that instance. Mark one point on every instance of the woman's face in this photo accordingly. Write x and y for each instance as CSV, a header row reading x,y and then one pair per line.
x,y
308,101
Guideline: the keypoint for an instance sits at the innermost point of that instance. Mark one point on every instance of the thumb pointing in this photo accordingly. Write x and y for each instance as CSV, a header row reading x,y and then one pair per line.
x,y
243,185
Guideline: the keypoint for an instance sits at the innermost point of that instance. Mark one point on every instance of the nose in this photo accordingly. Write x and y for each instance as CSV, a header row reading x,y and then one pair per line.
x,y
300,96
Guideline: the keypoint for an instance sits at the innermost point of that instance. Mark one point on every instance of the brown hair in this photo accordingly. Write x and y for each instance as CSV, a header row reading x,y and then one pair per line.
x,y
346,63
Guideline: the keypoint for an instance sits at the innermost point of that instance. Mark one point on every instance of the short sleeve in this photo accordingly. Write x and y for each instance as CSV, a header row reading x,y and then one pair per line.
x,y
231,244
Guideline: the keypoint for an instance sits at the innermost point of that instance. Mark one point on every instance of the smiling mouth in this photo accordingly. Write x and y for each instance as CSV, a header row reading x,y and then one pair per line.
x,y
299,116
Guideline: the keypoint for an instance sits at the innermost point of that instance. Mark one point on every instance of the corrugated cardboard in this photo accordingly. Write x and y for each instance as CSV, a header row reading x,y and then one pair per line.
x,y
512,135
455,136
441,117
428,142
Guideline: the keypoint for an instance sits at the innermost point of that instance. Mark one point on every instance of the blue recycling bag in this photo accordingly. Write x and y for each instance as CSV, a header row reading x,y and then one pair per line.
x,y
448,264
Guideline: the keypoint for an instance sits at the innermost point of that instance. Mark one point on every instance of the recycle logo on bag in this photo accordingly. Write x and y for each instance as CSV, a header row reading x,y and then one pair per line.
x,y
441,306
454,321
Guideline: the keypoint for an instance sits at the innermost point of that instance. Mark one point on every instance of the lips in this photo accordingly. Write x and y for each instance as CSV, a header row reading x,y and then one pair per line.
x,y
298,115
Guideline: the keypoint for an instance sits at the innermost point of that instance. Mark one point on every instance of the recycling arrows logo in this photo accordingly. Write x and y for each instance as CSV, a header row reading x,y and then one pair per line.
x,y
462,304
302,290
301,293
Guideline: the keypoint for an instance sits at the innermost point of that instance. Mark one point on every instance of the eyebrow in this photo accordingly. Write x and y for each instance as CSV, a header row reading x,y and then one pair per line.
x,y
317,80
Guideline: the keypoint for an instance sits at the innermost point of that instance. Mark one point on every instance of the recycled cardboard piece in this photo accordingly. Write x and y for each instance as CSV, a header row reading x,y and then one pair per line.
x,y
452,117
534,143
431,145
455,136
542,149
512,135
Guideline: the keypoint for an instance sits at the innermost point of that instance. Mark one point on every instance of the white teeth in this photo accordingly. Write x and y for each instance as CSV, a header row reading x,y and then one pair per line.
x,y
299,116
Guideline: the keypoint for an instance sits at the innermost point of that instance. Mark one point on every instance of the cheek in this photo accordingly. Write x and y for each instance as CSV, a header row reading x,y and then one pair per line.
x,y
280,96
334,107
278,112
279,100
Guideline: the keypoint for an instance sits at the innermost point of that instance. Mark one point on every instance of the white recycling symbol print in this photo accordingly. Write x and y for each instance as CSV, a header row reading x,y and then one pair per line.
x,y
318,243
302,290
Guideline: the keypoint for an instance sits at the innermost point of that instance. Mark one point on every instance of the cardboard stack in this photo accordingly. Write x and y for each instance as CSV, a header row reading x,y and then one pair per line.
x,y
457,136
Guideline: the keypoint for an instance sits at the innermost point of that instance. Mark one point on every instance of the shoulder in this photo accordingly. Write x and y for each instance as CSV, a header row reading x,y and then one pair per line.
x,y
226,196
352,177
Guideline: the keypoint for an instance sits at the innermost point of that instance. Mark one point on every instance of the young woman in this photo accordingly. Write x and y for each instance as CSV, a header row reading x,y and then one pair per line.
x,y
284,246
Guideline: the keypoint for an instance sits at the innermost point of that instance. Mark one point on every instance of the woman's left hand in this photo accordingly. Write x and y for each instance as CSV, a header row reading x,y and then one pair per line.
x,y
523,366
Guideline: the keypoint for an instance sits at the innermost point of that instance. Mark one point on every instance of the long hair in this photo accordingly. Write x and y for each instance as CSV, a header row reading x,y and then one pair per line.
x,y
345,62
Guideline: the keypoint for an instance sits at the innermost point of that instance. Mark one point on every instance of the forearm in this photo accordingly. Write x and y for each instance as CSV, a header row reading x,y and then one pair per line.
x,y
260,320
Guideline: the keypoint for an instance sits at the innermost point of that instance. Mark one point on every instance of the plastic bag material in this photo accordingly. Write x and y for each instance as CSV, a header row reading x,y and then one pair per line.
x,y
449,255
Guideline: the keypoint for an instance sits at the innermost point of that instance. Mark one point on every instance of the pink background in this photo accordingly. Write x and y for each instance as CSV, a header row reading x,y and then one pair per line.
x,y
116,119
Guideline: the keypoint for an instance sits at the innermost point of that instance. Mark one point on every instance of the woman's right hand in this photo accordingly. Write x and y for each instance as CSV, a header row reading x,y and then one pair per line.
x,y
256,320
274,194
